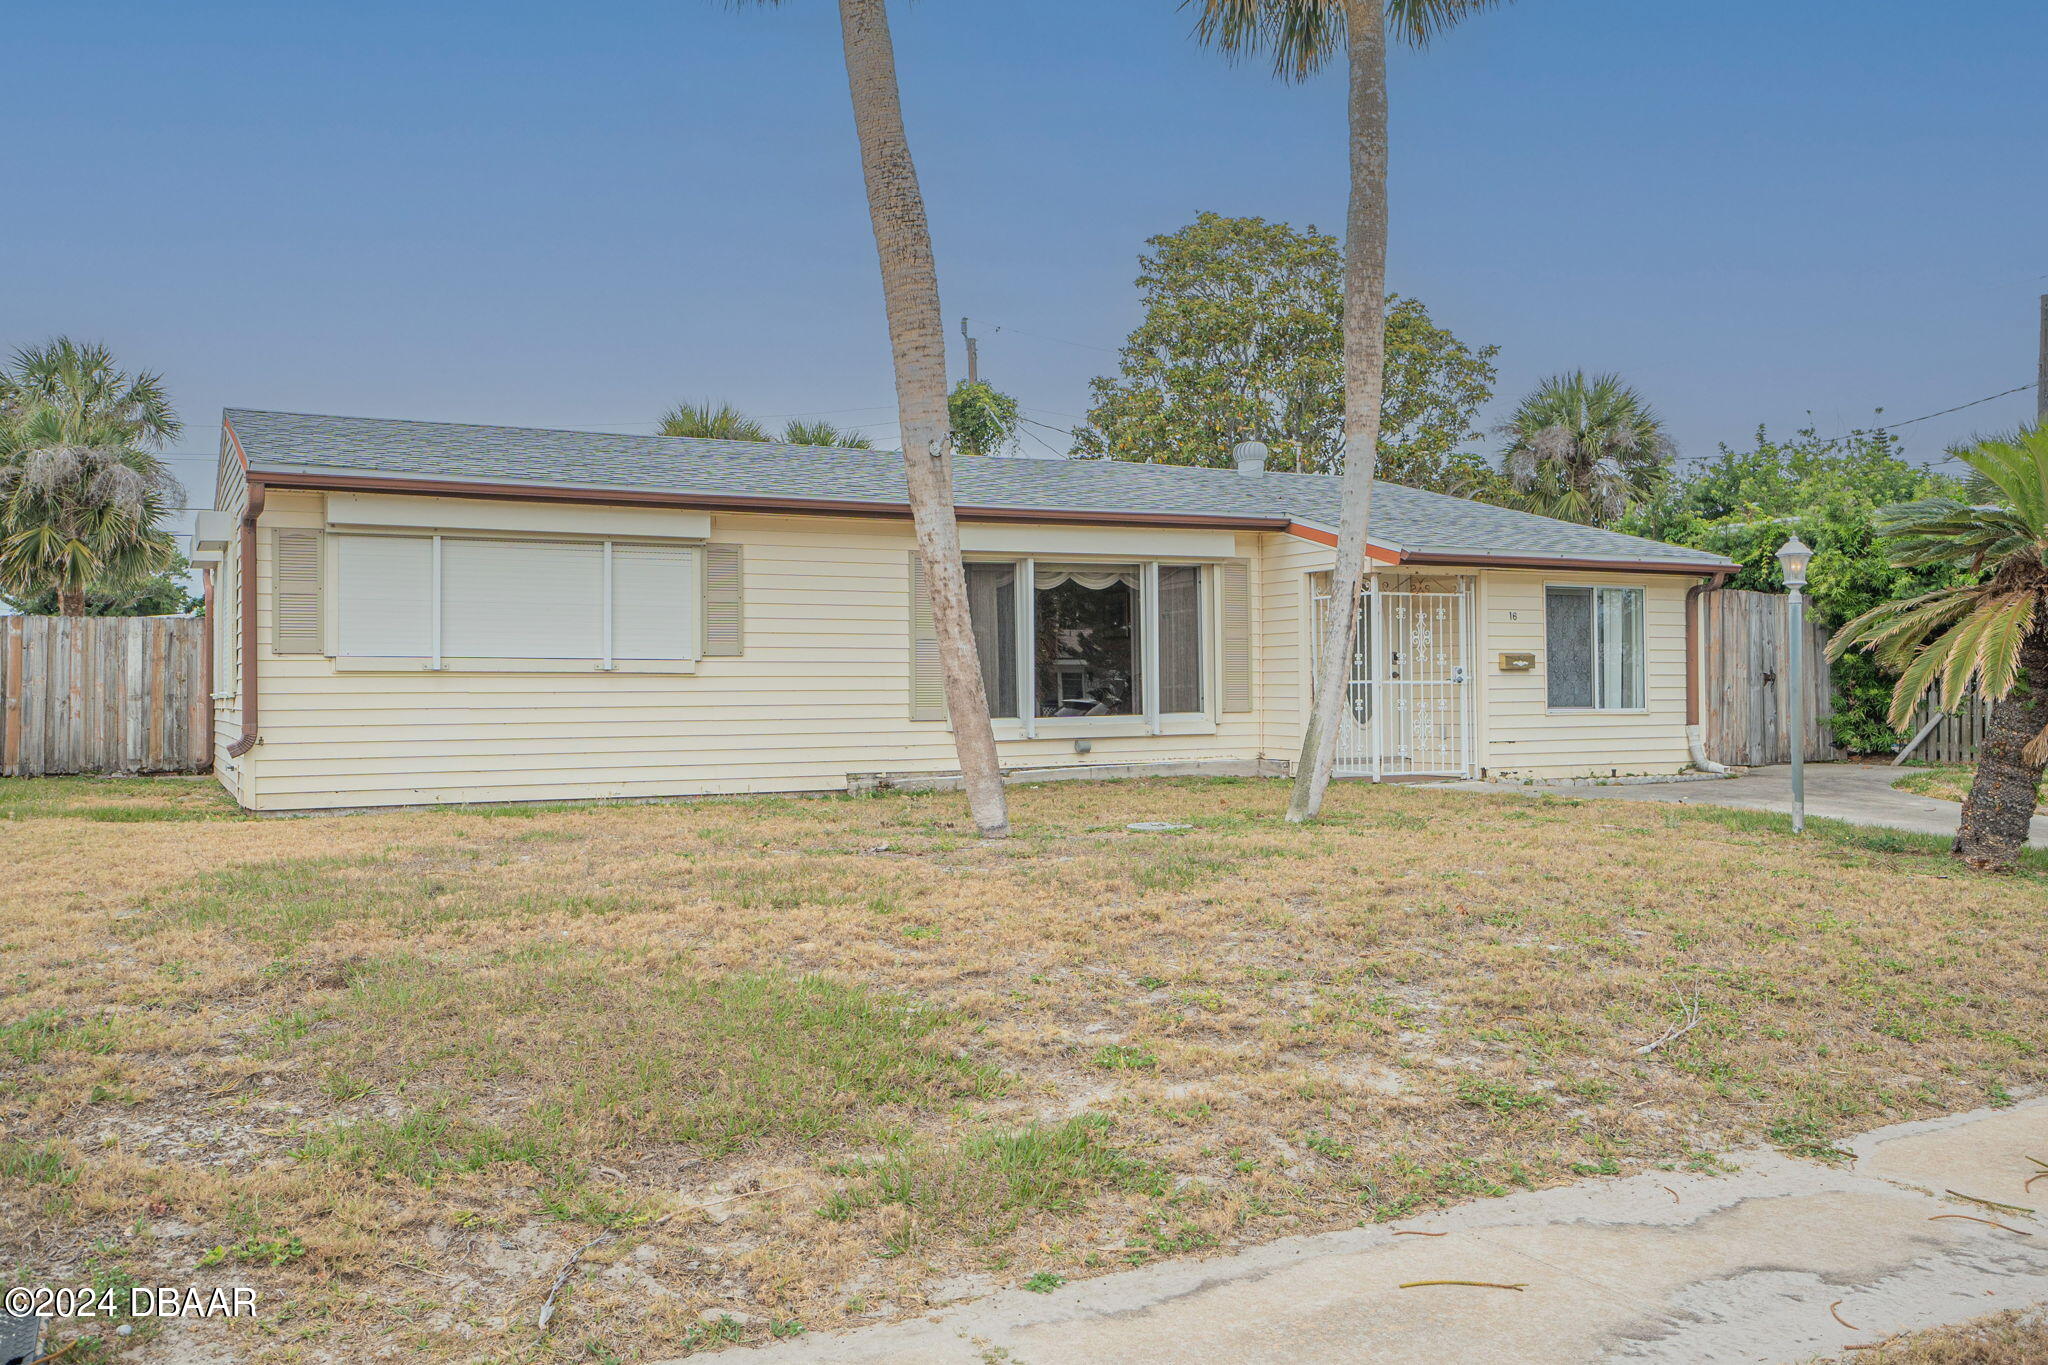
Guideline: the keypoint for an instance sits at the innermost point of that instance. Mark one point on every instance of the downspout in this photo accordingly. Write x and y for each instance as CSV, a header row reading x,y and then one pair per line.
x,y
254,509
1695,733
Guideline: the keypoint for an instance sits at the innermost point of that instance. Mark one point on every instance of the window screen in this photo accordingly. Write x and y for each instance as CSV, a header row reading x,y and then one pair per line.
x,y
992,607
1180,638
384,605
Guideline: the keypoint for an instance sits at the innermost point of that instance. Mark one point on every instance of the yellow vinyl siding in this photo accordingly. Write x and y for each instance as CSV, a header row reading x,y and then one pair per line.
x,y
1524,737
818,693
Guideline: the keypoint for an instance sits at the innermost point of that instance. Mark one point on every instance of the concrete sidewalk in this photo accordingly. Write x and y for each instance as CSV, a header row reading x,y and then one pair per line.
x,y
1857,793
1659,1267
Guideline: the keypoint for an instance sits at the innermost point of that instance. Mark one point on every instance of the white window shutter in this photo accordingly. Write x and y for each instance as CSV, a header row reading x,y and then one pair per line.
x,y
384,597
724,602
927,678
1237,635
521,599
657,603
295,592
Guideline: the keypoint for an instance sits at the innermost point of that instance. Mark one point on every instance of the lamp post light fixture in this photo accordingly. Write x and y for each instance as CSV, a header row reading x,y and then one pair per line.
x,y
1793,557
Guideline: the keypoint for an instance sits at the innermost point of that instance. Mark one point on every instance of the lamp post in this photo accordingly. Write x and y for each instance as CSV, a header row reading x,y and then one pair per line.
x,y
1793,557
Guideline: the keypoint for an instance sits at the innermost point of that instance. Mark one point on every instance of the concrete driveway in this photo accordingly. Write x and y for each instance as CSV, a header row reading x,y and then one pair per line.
x,y
1856,793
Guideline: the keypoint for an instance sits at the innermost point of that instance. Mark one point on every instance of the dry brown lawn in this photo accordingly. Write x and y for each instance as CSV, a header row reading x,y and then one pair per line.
x,y
787,1065
2010,1338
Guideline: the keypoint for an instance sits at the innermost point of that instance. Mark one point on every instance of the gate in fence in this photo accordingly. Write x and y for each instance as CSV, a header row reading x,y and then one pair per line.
x,y
1746,685
104,694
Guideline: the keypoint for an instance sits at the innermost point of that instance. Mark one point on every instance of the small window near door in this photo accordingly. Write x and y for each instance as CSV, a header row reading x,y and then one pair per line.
x,y
992,608
1595,648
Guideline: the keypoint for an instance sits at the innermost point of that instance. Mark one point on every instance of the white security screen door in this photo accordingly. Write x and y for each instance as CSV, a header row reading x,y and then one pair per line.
x,y
1409,711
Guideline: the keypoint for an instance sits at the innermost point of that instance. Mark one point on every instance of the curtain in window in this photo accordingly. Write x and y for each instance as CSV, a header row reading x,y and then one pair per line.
x,y
1180,638
1568,627
1085,640
992,607
1621,648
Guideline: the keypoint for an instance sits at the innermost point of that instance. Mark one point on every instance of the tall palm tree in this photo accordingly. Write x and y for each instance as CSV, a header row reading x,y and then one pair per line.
x,y
83,382
917,336
1301,36
710,421
79,505
1584,449
1993,632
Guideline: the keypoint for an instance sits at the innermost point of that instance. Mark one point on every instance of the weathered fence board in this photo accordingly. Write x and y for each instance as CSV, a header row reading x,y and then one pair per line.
x,y
1745,692
1946,736
104,694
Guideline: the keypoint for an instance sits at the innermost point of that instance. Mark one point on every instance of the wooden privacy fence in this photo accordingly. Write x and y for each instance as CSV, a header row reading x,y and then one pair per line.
x,y
1746,702
104,694
1935,735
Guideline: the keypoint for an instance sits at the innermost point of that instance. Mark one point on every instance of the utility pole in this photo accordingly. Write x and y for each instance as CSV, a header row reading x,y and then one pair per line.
x,y
2041,379
974,355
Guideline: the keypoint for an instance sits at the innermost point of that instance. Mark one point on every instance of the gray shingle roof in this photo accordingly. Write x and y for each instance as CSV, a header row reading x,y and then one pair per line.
x,y
1404,519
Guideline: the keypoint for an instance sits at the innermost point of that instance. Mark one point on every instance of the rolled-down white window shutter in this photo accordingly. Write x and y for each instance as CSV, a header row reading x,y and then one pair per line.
x,y
657,603
927,678
295,592
724,602
384,596
1237,635
521,599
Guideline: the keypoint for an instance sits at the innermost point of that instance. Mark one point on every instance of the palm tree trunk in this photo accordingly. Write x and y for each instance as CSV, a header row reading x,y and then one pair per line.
x,y
1365,290
917,335
2000,806
71,601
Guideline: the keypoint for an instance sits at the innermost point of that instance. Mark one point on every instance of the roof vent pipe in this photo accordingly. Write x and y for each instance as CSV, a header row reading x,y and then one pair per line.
x,y
1250,458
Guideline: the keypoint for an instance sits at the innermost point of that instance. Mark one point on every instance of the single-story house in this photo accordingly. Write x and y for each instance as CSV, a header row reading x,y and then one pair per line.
x,y
424,612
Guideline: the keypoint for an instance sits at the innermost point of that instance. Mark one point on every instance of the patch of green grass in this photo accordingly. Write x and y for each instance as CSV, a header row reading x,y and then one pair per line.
x,y
1498,1096
1837,834
987,1178
428,1145
115,799
1806,1137
263,1251
35,1163
40,1032
1044,1282
1125,1057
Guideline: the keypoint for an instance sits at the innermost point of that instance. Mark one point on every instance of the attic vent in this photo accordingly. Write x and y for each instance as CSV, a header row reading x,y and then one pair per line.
x,y
1250,458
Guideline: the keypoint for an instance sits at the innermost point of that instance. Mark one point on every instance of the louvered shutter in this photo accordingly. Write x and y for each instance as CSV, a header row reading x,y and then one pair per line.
x,y
927,679
1237,635
295,592
724,602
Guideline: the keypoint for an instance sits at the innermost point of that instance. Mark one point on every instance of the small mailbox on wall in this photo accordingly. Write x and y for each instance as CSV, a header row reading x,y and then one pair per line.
x,y
1520,661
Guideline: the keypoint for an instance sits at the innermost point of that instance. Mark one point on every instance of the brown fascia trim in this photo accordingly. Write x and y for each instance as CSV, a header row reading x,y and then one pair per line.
x,y
1540,562
246,582
344,483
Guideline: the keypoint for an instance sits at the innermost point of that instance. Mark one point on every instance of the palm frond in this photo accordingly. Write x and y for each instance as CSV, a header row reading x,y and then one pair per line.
x,y
1302,36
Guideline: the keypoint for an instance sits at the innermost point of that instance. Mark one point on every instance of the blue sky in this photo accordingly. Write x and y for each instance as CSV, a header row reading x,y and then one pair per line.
x,y
575,215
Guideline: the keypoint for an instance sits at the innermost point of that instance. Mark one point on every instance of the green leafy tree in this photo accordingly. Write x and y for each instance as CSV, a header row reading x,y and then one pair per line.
x,y
1745,503
1243,339
1582,449
984,420
1989,631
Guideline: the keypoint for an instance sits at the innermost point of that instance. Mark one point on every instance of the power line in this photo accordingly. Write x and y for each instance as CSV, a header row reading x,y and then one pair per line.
x,y
1974,402
1040,336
